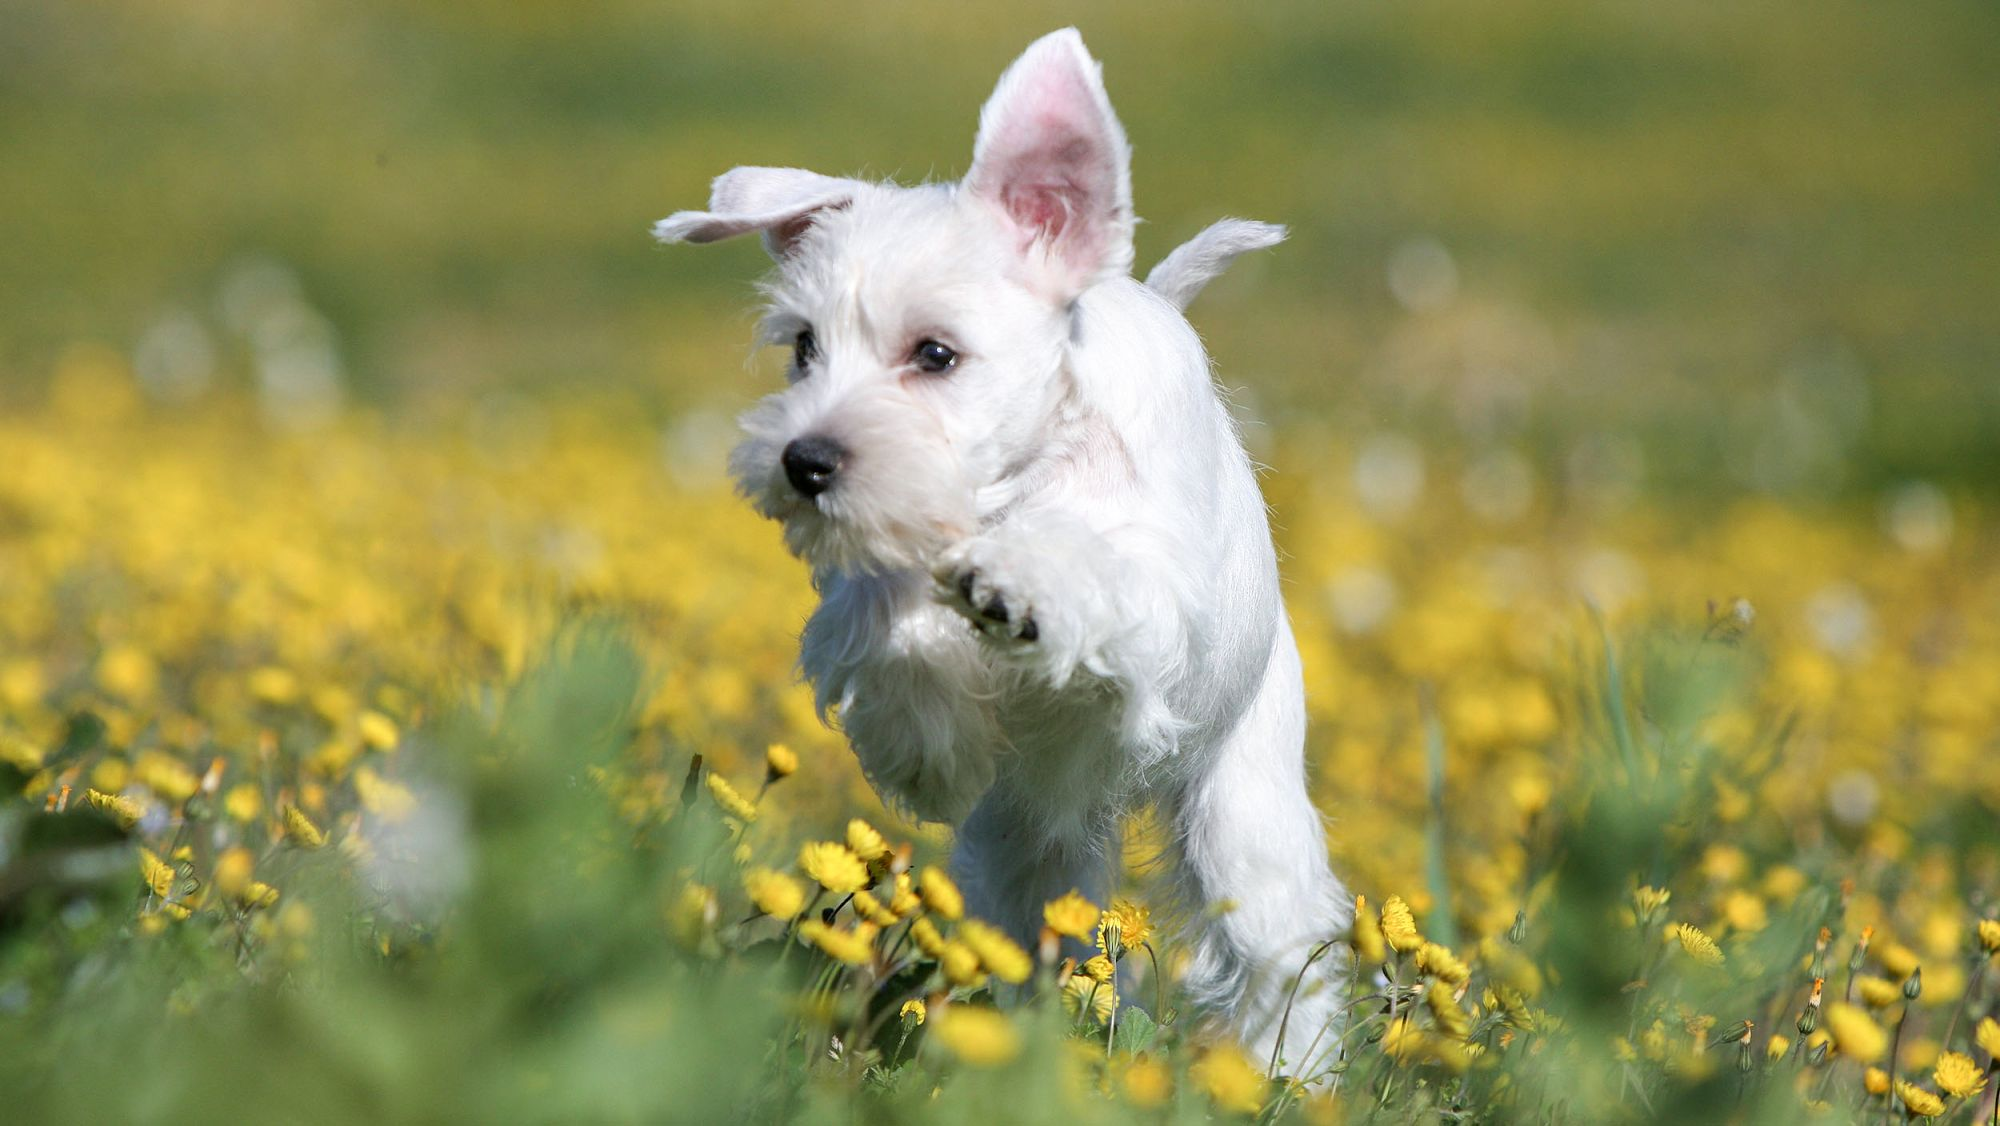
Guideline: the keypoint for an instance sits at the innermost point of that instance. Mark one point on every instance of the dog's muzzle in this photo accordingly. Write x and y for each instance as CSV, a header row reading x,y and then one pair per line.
x,y
811,463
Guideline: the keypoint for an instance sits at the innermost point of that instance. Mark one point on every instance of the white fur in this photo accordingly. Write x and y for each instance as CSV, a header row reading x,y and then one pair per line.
x,y
1072,488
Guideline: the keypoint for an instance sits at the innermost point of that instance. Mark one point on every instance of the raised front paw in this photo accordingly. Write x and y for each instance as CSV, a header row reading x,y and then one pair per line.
x,y
975,582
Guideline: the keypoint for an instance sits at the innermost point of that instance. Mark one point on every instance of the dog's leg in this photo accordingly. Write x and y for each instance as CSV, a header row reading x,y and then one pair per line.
x,y
1010,860
1246,835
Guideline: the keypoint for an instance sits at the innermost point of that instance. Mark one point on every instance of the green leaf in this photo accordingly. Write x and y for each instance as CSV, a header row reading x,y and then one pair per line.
x,y
1136,1031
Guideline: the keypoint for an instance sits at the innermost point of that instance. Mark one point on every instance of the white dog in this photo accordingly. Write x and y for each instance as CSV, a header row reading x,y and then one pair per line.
x,y
990,422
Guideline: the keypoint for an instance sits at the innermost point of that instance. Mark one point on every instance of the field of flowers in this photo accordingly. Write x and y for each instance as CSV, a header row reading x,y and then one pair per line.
x,y
456,770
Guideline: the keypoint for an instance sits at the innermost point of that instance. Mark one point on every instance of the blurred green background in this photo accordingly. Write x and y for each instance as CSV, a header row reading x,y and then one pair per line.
x,y
1708,246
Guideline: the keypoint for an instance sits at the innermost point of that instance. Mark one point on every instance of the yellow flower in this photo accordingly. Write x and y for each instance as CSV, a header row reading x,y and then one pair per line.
x,y
834,865
1696,943
1147,1082
1439,962
1228,1077
1876,992
259,894
243,803
774,893
391,801
233,870
1898,959
692,914
1399,927
127,671
166,776
1875,1081
872,909
1071,915
1776,1047
913,1012
732,802
300,829
925,934
1855,1033
998,953
1366,935
1451,1020
1921,1103
906,900
855,947
1130,923
1958,1076
122,809
780,761
865,841
1987,1036
1989,934
158,873
960,964
980,1037
1081,994
377,730
1098,968
940,894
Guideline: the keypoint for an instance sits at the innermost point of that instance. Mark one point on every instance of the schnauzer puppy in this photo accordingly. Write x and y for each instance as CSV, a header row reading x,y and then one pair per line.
x,y
1048,591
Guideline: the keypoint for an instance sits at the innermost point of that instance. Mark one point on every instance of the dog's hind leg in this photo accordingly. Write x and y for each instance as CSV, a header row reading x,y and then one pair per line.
x,y
1250,867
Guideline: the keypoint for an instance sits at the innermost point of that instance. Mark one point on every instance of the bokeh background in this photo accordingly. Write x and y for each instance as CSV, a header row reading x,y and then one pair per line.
x,y
1707,247
1630,388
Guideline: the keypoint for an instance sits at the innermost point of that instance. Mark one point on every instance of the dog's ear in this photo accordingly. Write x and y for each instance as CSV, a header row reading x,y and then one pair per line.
x,y
780,202
1052,158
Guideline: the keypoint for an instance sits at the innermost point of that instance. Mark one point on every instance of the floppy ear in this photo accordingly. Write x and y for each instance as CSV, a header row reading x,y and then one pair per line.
x,y
777,201
1052,158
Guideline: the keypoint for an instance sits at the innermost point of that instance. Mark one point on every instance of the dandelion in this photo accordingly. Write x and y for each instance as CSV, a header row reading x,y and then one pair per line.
x,y
122,809
301,831
774,893
1696,944
1229,1079
925,934
258,894
1877,993
732,802
1399,927
1147,1083
1776,1047
1080,994
1071,915
243,803
906,900
378,732
940,894
780,761
998,953
1647,902
873,909
1875,1081
159,875
834,866
1855,1033
1132,922
854,947
1958,1076
1451,1020
1439,962
1987,1036
233,870
913,1013
865,841
1921,1103
1098,968
960,964
977,1036
1365,936
1989,935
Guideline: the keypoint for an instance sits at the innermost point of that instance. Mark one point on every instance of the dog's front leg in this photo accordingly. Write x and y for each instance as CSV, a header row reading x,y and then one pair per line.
x,y
1053,597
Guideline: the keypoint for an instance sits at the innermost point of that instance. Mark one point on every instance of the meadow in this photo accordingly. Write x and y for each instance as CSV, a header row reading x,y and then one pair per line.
x,y
397,714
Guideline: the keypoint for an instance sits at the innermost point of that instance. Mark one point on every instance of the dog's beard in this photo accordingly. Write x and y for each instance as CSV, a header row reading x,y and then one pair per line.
x,y
899,499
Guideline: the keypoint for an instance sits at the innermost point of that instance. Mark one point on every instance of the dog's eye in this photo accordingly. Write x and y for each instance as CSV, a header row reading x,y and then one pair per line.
x,y
805,349
933,357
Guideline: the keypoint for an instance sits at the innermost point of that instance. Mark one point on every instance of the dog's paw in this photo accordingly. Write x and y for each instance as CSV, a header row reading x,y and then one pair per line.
x,y
974,582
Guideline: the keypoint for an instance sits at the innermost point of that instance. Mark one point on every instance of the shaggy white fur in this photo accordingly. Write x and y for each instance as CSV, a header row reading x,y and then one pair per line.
x,y
1049,595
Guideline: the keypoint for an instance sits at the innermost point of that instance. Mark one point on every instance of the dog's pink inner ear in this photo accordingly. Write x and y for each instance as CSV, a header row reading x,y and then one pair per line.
x,y
1052,156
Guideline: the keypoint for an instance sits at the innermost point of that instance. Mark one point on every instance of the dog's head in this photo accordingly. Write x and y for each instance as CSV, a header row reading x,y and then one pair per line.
x,y
928,325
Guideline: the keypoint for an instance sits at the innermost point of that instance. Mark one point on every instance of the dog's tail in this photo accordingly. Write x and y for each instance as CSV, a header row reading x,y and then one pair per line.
x,y
1182,274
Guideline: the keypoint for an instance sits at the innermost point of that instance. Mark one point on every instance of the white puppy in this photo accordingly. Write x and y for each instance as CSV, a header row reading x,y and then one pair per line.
x,y
990,423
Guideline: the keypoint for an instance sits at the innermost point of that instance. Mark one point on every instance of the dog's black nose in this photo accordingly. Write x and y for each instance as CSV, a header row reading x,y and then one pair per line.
x,y
811,462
